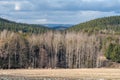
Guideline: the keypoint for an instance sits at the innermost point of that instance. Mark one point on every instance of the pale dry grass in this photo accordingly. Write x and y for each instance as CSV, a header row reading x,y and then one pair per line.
x,y
66,73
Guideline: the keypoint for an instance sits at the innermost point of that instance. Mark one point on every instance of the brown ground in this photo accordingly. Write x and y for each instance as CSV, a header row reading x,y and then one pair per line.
x,y
101,74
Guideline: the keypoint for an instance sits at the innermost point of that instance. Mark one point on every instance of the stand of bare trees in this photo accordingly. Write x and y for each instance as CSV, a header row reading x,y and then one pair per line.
x,y
49,50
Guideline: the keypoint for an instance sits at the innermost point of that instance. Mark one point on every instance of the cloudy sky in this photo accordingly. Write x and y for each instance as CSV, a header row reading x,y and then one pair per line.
x,y
57,11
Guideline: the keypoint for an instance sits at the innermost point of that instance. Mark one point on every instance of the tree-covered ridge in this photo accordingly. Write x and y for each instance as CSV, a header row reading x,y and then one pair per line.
x,y
13,26
59,49
106,23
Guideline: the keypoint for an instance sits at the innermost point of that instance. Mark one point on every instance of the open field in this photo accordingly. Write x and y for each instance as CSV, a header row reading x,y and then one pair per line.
x,y
67,74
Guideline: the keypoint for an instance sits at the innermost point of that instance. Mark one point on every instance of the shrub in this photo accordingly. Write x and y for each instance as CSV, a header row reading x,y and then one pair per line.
x,y
113,52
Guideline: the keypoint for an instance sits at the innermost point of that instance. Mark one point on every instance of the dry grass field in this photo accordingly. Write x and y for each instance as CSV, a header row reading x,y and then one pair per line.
x,y
86,74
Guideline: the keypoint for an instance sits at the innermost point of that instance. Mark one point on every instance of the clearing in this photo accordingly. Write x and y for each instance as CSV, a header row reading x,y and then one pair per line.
x,y
72,74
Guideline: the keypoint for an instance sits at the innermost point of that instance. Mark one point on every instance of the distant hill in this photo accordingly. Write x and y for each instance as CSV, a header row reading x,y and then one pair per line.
x,y
106,23
13,26
58,26
96,25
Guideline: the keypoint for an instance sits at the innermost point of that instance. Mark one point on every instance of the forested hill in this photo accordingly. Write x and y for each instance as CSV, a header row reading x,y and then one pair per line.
x,y
55,49
97,25
13,26
106,23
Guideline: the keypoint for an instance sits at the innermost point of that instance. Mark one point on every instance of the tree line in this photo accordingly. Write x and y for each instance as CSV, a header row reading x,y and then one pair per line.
x,y
49,50
26,28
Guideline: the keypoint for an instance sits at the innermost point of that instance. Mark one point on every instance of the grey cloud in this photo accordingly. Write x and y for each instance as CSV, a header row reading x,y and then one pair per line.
x,y
58,11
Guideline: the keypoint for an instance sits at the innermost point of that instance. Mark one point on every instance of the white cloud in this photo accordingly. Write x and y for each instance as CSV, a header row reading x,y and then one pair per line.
x,y
14,5
17,7
41,21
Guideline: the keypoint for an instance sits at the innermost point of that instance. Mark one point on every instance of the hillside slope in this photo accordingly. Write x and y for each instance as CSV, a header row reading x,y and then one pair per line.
x,y
106,23
13,26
